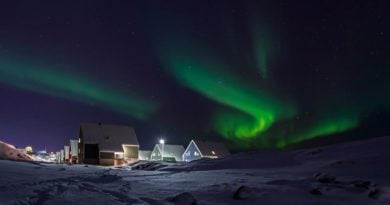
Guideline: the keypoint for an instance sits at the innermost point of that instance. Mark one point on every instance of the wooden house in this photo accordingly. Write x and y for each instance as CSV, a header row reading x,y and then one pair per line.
x,y
107,144
204,149
167,152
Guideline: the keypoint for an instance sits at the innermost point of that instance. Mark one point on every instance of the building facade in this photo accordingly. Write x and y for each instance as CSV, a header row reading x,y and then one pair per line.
x,y
171,152
107,144
144,155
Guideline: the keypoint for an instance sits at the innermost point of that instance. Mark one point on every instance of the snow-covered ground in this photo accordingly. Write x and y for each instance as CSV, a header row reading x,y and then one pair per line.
x,y
8,151
349,173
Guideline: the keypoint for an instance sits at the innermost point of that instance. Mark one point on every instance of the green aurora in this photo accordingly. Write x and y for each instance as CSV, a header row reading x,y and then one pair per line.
x,y
250,109
320,128
73,87
261,50
258,109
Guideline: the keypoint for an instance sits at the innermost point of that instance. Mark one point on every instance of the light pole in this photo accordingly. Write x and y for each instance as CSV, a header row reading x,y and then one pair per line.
x,y
162,142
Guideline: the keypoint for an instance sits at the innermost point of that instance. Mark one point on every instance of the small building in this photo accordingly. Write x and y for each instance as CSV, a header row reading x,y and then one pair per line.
x,y
144,155
204,149
67,153
171,152
107,144
62,156
74,151
58,157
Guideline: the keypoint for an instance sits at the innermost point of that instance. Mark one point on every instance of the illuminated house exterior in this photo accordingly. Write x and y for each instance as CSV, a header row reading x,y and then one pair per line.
x,y
74,151
171,152
204,149
107,144
144,155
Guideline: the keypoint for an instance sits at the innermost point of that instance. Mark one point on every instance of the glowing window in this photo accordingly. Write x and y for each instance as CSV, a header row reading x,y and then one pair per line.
x,y
196,153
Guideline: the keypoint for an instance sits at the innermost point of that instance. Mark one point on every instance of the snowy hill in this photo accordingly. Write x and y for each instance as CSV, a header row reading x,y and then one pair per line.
x,y
9,152
348,173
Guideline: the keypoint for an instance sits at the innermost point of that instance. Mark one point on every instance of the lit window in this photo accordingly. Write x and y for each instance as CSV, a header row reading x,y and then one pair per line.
x,y
154,154
196,153
212,152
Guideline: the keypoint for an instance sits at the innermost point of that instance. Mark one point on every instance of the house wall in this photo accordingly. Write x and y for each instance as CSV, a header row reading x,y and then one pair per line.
x,y
112,159
130,152
156,154
189,154
74,148
144,155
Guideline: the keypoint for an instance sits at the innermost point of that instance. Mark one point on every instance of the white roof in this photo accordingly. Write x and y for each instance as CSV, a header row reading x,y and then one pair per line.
x,y
108,137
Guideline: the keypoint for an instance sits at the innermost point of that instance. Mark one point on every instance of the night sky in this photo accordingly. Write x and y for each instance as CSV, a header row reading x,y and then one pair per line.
x,y
254,74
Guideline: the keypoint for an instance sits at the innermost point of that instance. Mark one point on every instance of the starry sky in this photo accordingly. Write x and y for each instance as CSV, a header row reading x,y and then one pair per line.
x,y
254,74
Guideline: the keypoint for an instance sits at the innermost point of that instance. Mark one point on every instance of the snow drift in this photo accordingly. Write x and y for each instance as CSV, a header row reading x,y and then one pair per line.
x,y
9,152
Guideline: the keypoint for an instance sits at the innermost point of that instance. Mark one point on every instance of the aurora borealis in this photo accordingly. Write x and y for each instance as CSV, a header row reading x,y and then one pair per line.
x,y
259,110
71,86
255,74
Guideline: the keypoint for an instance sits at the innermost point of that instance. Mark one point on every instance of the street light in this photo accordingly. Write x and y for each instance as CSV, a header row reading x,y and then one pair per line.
x,y
162,142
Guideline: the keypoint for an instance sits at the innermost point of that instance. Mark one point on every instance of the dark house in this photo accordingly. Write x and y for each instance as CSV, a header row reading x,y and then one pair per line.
x,y
107,144
204,149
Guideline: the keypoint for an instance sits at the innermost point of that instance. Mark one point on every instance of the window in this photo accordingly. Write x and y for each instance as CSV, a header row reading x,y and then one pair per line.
x,y
154,154
107,155
119,155
196,153
212,152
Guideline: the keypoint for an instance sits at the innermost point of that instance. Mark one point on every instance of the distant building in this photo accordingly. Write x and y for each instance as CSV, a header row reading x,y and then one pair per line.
x,y
41,152
67,153
58,157
171,152
144,154
107,144
204,149
74,151
52,157
62,156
